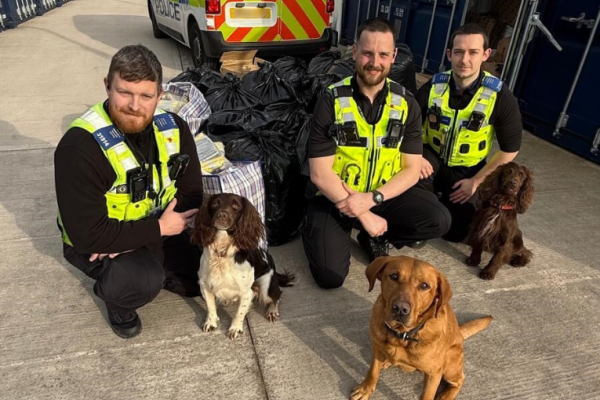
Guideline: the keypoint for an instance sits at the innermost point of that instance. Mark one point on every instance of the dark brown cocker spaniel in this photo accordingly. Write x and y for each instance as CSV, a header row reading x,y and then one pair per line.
x,y
506,192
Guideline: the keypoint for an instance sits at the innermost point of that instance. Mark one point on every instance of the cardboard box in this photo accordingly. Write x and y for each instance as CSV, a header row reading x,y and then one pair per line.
x,y
501,50
422,79
494,68
240,62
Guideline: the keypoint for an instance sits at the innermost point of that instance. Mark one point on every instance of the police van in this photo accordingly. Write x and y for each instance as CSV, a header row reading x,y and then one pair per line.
x,y
273,27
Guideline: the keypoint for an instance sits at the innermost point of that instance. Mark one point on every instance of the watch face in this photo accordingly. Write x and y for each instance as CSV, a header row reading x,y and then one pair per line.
x,y
378,197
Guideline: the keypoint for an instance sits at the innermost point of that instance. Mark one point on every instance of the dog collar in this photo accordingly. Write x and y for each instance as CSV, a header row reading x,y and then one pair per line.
x,y
503,206
408,335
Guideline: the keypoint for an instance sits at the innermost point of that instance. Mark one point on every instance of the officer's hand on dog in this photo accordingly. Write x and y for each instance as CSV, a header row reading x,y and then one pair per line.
x,y
426,169
373,224
465,188
356,203
173,223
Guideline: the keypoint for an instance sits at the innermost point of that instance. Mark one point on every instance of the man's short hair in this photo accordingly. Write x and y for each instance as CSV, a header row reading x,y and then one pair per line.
x,y
470,29
136,63
376,24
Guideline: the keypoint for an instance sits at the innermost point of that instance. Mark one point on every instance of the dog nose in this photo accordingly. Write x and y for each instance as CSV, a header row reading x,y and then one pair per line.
x,y
401,308
221,215
513,182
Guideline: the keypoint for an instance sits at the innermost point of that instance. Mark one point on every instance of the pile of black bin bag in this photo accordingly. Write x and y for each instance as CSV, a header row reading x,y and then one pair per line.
x,y
266,116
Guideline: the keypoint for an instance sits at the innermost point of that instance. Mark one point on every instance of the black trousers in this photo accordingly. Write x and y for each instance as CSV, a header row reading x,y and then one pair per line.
x,y
414,215
133,279
441,182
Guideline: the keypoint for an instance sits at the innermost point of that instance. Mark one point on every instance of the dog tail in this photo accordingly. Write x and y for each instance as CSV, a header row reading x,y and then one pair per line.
x,y
286,279
470,328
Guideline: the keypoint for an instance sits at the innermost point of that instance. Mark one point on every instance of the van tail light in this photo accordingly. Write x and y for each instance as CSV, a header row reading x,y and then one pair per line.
x,y
213,6
330,6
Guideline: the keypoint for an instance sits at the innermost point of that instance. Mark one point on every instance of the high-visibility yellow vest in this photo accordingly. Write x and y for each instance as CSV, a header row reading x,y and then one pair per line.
x,y
362,158
118,198
454,142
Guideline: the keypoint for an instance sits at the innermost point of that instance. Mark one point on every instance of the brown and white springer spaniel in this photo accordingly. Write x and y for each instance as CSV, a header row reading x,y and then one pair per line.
x,y
233,266
506,192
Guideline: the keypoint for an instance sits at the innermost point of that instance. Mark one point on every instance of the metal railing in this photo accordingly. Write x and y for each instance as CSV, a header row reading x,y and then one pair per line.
x,y
15,12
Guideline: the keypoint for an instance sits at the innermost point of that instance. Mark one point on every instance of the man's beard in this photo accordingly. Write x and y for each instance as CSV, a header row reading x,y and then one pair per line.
x,y
127,124
372,80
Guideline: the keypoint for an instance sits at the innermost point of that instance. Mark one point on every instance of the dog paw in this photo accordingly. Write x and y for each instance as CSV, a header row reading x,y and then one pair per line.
x,y
473,262
361,393
210,325
233,333
272,316
486,275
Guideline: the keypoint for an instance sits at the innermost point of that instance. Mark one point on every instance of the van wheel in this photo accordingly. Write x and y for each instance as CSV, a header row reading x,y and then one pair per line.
x,y
198,54
155,30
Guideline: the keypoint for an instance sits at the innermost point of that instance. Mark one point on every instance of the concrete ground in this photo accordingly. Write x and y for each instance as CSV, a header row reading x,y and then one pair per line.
x,y
55,342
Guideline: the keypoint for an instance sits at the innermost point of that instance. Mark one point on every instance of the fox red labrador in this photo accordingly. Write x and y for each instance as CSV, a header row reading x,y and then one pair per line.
x,y
414,328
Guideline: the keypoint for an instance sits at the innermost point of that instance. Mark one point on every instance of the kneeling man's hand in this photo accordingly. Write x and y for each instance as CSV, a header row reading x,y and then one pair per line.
x,y
356,203
373,224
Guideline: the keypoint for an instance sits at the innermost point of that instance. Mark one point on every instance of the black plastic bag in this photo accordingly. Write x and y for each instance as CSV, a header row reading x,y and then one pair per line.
x,y
323,62
303,123
226,125
203,78
290,68
281,172
271,88
403,69
228,94
319,86
285,111
342,67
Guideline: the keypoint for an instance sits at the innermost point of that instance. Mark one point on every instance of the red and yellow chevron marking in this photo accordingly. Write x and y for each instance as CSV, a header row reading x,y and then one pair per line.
x,y
297,20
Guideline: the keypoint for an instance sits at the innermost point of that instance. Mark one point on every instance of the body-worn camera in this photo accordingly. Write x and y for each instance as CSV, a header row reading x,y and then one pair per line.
x,y
434,117
177,165
476,121
346,134
395,133
137,180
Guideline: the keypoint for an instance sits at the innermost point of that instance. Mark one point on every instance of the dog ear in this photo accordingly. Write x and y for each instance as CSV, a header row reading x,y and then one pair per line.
x,y
526,191
204,232
491,184
375,269
444,293
250,229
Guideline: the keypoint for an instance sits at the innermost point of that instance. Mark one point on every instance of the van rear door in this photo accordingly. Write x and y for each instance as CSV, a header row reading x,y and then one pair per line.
x,y
249,21
303,19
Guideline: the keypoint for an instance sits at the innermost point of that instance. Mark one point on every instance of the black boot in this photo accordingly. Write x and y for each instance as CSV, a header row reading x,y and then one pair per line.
x,y
419,244
375,247
124,324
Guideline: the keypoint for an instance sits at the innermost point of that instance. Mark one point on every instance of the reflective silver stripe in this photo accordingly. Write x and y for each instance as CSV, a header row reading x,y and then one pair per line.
x,y
394,114
167,180
348,117
171,148
438,102
479,107
338,84
168,133
344,102
487,93
129,163
95,119
396,99
439,88
120,148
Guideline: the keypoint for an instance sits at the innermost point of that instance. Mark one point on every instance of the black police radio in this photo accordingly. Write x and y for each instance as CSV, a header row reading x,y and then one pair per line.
x,y
137,180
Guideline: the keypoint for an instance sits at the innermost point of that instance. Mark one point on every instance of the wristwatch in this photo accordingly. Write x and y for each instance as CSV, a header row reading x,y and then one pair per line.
x,y
377,197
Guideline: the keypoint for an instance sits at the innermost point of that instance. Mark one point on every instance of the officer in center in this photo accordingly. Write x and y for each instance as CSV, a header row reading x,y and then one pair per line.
x,y
462,110
365,152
